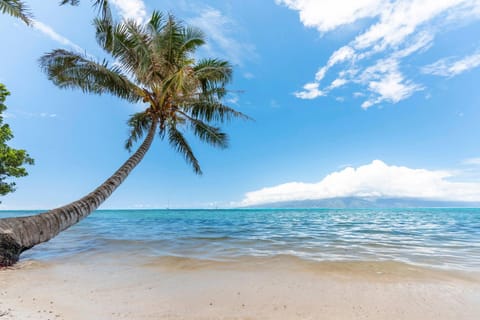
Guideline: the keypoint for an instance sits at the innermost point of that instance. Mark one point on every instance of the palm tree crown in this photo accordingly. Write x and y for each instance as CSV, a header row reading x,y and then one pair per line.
x,y
154,64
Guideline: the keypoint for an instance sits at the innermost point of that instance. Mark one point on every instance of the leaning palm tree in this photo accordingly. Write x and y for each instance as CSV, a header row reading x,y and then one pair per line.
x,y
154,64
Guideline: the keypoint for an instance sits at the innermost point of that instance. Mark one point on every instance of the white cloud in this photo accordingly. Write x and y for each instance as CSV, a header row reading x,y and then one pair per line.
x,y
131,9
24,114
47,115
219,29
337,83
420,42
449,67
376,179
38,115
248,75
232,98
392,88
386,83
342,54
398,29
402,18
358,94
310,91
472,161
329,15
52,34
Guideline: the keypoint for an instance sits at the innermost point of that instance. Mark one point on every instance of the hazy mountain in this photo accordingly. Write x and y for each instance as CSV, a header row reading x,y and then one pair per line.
x,y
357,202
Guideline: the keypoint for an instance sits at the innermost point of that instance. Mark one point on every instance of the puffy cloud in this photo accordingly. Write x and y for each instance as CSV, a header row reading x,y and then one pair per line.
x,y
402,18
342,54
398,29
310,91
131,9
449,67
386,83
337,83
329,15
376,179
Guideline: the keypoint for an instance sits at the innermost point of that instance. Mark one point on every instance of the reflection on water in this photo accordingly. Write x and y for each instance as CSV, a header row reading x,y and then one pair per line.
x,y
448,238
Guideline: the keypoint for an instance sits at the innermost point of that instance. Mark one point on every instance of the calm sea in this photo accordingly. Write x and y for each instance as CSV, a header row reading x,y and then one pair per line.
x,y
440,238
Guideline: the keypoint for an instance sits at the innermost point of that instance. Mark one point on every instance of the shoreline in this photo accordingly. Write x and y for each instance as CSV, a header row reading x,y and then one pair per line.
x,y
125,287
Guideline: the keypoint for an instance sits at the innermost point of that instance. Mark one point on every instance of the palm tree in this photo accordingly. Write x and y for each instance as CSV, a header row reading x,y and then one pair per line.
x,y
102,5
16,8
154,64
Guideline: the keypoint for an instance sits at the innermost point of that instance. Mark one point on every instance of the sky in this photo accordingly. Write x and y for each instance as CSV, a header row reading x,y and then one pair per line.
x,y
377,98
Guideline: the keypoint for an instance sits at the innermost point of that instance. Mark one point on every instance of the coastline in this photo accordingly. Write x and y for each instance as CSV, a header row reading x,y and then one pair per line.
x,y
282,287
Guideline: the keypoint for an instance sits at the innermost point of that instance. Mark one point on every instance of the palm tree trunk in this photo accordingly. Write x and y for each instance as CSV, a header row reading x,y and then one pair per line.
x,y
22,233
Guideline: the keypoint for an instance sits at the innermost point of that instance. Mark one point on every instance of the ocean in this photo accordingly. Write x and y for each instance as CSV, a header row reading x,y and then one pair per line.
x,y
437,238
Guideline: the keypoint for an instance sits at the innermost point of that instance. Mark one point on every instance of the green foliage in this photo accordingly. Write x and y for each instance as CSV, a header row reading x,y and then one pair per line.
x,y
72,70
16,8
11,160
154,64
102,6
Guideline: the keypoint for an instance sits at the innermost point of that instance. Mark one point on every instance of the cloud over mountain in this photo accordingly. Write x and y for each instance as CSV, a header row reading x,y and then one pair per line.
x,y
376,179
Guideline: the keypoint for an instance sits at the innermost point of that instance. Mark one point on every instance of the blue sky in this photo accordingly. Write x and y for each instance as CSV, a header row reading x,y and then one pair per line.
x,y
350,98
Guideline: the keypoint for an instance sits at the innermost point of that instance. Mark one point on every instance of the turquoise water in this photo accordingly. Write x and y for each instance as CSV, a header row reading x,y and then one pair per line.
x,y
442,238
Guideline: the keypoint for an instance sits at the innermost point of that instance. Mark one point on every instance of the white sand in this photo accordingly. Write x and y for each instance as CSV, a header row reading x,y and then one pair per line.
x,y
277,288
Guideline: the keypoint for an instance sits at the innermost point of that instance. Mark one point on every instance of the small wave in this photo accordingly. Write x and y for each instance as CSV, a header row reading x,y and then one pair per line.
x,y
387,270
206,238
438,238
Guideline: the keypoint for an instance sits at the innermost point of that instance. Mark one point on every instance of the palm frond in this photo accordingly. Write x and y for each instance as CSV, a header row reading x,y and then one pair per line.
x,y
156,22
213,111
71,70
192,39
169,41
180,144
209,134
139,123
104,33
175,84
130,45
112,37
17,9
103,7
70,2
212,72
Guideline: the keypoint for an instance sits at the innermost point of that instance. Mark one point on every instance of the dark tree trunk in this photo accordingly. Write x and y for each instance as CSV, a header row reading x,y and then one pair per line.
x,y
22,233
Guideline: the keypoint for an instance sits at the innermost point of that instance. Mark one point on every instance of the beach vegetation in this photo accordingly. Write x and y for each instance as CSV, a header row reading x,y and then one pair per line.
x,y
12,161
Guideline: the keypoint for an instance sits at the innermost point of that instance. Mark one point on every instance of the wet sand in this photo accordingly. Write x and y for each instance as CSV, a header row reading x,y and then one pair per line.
x,y
251,288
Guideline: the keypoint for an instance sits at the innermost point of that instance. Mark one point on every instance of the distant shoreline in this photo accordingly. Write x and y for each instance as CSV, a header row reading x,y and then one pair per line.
x,y
255,208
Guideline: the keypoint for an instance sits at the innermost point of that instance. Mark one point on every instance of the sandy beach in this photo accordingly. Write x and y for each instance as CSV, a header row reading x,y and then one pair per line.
x,y
251,288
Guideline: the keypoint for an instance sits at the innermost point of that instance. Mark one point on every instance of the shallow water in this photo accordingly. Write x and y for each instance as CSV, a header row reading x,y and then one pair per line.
x,y
441,238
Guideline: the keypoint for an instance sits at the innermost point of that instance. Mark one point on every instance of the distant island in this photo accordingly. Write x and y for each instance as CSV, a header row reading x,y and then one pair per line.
x,y
368,202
